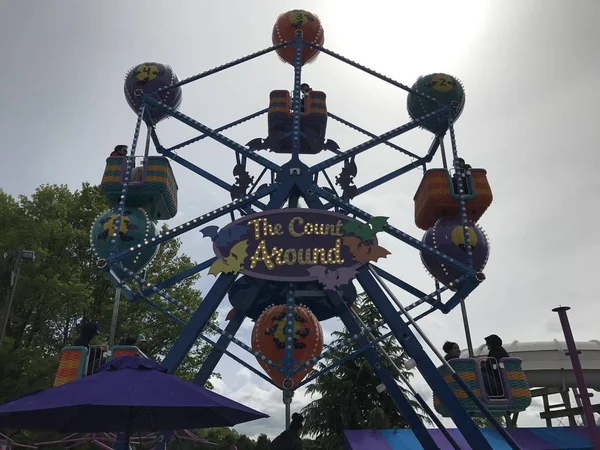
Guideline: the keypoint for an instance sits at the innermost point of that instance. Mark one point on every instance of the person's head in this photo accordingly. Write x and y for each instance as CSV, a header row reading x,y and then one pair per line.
x,y
121,149
90,330
296,425
131,340
304,87
452,349
493,341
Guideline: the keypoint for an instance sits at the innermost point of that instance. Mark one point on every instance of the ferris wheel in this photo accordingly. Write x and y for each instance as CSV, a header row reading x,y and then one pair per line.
x,y
288,268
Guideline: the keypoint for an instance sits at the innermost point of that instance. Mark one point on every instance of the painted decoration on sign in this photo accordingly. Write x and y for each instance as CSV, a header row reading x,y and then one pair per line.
x,y
268,338
297,245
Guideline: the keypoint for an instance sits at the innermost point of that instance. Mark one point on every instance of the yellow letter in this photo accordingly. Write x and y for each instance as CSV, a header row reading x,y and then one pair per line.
x,y
277,253
320,252
277,229
262,254
334,254
256,224
289,256
291,229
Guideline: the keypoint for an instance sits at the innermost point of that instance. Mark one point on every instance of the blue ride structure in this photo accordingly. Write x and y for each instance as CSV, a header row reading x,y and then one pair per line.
x,y
275,254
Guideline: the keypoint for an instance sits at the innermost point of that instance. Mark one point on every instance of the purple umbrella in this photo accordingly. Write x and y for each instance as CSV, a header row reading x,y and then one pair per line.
x,y
129,394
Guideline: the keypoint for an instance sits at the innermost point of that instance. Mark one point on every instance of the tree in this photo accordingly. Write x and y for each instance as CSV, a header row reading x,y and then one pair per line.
x,y
348,394
262,442
245,443
223,437
62,288
482,422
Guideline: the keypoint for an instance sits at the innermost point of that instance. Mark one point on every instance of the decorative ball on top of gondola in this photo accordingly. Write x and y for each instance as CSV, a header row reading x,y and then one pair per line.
x,y
135,229
446,89
285,29
147,78
447,236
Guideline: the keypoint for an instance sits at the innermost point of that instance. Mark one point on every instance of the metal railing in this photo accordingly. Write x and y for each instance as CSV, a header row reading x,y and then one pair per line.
x,y
491,377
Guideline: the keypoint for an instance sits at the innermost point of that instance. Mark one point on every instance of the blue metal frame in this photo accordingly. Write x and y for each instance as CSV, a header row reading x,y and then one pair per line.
x,y
380,369
413,348
289,182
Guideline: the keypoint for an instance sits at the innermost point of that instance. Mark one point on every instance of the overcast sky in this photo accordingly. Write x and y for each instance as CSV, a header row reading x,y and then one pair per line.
x,y
531,120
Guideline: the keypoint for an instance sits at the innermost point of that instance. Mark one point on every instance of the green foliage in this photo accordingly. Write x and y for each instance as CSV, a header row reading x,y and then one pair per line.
x,y
310,444
482,422
262,442
62,288
348,394
378,420
226,437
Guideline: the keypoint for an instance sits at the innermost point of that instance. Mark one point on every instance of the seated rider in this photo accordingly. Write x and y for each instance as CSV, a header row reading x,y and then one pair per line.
x,y
120,150
305,89
452,350
89,331
494,345
463,171
490,370
129,340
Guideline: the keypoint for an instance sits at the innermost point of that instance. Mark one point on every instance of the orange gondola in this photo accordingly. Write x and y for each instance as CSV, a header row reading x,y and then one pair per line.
x,y
437,197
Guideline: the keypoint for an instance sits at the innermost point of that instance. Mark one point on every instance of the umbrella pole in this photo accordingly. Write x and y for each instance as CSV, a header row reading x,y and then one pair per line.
x,y
115,316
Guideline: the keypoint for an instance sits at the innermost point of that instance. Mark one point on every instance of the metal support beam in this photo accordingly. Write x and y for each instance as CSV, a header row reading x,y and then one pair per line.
x,y
224,140
223,128
420,162
176,278
208,176
360,148
371,135
190,333
225,66
370,71
404,378
197,222
382,373
398,282
210,363
392,231
413,348
296,96
316,374
390,176
208,341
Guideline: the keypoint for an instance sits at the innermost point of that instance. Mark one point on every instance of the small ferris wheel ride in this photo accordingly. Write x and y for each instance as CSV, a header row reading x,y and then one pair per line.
x,y
289,268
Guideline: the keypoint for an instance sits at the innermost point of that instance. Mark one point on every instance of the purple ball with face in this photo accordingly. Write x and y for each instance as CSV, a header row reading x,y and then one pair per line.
x,y
147,78
447,236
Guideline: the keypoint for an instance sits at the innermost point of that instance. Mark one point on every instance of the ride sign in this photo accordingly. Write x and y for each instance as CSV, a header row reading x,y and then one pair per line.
x,y
296,245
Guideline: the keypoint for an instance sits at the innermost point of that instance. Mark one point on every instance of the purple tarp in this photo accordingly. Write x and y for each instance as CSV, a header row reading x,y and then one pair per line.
x,y
572,438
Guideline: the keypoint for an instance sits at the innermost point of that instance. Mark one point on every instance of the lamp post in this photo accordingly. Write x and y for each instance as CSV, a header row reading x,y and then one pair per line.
x,y
22,255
